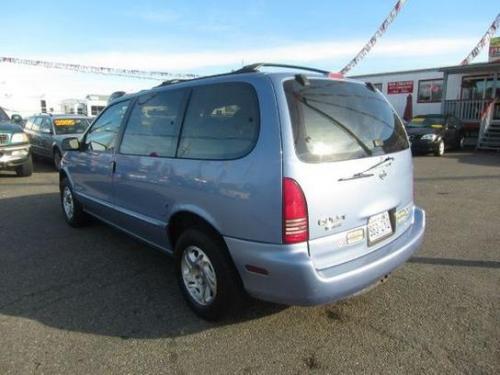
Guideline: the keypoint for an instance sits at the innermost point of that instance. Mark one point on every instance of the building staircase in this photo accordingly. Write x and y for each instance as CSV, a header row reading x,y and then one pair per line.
x,y
490,139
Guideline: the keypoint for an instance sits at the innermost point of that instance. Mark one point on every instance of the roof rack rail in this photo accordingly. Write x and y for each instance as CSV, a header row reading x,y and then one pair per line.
x,y
172,81
255,68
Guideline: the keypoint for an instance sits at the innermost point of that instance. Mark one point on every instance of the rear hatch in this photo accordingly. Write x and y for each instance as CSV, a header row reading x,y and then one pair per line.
x,y
353,165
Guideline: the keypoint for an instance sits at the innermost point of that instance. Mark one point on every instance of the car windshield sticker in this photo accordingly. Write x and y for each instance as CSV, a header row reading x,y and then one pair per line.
x,y
64,122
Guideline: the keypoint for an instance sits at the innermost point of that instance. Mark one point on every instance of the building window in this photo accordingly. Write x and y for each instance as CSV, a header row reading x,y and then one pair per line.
x,y
96,109
477,88
430,91
378,86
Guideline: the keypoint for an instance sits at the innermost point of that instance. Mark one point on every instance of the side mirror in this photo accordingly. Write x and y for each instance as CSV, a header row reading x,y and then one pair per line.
x,y
70,144
46,131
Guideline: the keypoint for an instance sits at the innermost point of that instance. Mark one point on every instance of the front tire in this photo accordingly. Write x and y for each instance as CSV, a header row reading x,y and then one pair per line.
x,y
26,169
206,275
461,142
72,209
439,151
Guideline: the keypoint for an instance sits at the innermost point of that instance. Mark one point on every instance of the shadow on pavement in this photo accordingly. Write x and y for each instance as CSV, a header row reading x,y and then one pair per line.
x,y
94,279
487,158
39,166
455,262
459,178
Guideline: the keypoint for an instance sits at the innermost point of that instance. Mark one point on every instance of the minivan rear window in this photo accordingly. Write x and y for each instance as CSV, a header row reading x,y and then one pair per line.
x,y
341,120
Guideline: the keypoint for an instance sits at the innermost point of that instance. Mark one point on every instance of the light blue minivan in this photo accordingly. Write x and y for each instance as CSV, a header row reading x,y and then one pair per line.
x,y
293,185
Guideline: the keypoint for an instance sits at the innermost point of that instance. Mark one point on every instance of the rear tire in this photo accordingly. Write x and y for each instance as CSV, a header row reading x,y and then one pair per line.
x,y
57,159
26,169
206,275
72,209
439,151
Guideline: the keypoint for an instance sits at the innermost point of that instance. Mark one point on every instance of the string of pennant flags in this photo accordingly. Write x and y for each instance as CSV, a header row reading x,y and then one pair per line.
x,y
160,76
482,42
156,75
378,34
131,73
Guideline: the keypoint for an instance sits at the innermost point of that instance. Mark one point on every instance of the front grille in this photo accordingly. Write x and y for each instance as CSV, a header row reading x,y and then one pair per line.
x,y
4,139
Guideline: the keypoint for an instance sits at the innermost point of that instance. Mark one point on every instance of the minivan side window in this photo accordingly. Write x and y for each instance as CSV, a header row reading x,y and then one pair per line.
x,y
102,135
222,122
153,126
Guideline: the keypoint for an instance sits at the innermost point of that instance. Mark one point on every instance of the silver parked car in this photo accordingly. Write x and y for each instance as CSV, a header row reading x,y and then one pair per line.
x,y
47,131
294,187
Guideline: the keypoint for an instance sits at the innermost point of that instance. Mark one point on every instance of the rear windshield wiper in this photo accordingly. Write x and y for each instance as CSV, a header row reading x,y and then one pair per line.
x,y
332,119
364,173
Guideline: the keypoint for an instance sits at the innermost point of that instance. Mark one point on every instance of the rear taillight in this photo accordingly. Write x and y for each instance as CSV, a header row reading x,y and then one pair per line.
x,y
295,223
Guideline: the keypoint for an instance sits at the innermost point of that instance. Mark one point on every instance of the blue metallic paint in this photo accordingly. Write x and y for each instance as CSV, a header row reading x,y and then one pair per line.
x,y
242,200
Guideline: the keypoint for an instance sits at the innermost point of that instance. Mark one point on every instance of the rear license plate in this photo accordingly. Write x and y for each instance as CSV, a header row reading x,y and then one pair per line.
x,y
379,227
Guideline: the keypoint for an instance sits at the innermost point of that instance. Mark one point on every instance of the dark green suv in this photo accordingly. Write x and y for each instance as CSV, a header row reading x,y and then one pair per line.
x,y
15,149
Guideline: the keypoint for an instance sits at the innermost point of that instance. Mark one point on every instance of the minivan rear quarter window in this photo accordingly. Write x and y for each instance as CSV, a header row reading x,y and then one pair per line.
x,y
341,120
222,122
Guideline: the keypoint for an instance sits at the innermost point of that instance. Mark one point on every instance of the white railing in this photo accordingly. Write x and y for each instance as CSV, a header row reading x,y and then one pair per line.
x,y
466,110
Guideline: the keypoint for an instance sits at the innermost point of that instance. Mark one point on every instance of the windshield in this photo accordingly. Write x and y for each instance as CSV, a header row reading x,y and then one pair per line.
x,y
339,120
426,122
3,115
70,125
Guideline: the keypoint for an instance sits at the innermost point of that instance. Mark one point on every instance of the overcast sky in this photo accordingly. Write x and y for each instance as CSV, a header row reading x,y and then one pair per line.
x,y
205,37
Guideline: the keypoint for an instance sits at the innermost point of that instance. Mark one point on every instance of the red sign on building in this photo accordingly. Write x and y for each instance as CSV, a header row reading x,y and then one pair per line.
x,y
400,87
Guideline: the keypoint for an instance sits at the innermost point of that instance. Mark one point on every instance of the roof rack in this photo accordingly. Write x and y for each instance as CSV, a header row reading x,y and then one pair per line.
x,y
172,81
252,68
255,68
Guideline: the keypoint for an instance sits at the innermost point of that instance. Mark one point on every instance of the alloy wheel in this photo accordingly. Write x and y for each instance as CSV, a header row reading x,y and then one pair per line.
x,y
198,275
68,203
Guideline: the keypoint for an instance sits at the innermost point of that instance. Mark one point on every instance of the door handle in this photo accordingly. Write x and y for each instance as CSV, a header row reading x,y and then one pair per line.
x,y
113,166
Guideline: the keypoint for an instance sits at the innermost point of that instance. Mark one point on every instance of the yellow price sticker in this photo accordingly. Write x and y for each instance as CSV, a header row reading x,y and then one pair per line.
x,y
437,126
64,122
418,120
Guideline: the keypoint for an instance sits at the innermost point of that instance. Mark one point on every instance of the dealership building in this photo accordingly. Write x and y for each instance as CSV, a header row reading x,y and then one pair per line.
x,y
92,105
466,91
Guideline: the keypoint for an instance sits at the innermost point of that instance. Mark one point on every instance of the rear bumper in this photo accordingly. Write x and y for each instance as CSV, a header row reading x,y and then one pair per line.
x,y
293,280
14,156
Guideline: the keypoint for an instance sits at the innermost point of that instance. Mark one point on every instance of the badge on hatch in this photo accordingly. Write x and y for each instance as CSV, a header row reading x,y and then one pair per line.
x,y
331,222
382,174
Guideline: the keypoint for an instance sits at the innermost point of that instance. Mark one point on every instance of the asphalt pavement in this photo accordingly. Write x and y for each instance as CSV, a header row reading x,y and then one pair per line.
x,y
92,300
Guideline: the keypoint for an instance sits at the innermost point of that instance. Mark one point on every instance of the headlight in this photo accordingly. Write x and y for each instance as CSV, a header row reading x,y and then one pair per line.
x,y
430,137
19,138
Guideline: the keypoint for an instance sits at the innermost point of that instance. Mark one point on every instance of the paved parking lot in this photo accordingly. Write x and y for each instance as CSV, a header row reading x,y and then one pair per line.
x,y
94,301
